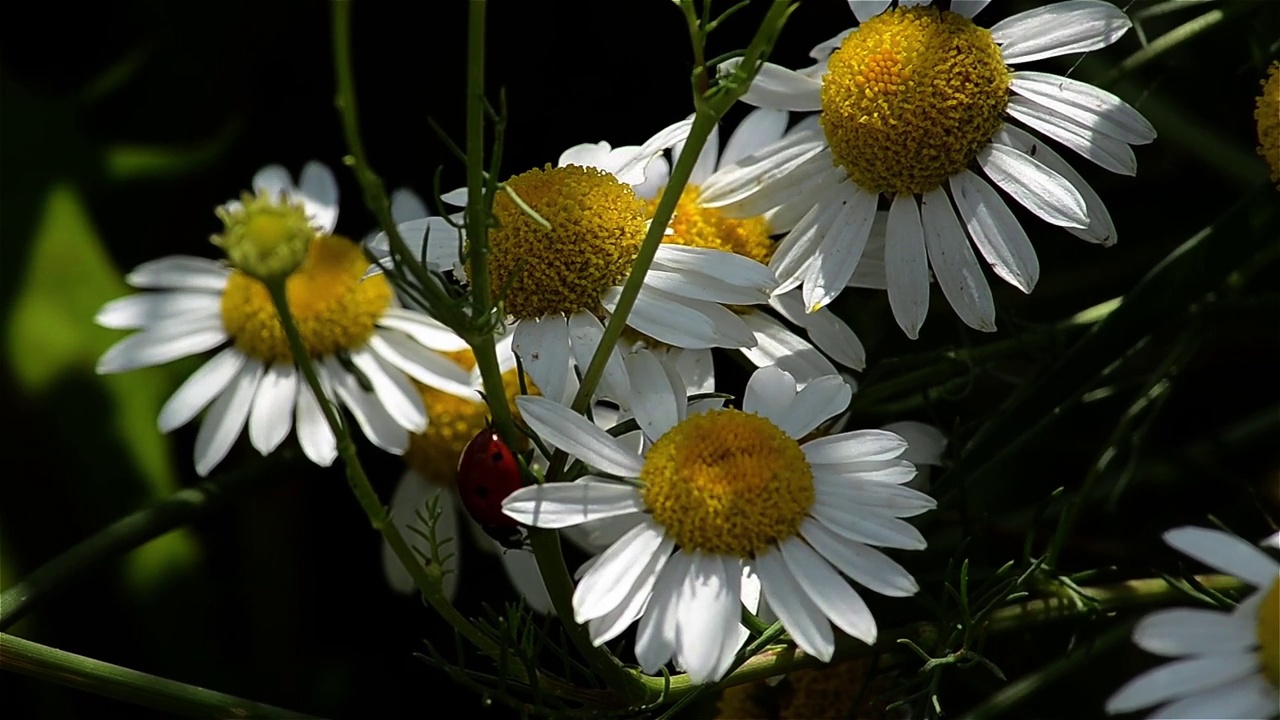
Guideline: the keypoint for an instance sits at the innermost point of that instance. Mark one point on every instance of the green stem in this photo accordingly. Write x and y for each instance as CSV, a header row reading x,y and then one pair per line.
x,y
101,678
375,196
428,581
121,536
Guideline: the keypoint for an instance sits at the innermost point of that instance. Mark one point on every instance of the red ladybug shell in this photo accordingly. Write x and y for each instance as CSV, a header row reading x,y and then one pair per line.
x,y
487,474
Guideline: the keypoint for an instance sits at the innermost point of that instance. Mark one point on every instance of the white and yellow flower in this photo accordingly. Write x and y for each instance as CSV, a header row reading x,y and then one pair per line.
x,y
723,505
1228,663
913,103
365,347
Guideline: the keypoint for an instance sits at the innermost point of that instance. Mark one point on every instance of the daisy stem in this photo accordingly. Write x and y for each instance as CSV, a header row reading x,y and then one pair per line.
x,y
428,582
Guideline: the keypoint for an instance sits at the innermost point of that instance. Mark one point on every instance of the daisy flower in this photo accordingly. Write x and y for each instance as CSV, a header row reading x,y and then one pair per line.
x,y
431,477
696,225
366,348
1228,663
1267,114
914,104
561,283
722,504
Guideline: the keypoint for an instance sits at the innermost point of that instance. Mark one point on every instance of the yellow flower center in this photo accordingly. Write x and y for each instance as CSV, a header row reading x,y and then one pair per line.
x,y
697,226
333,308
597,224
451,423
727,482
911,97
1268,116
1269,635
265,237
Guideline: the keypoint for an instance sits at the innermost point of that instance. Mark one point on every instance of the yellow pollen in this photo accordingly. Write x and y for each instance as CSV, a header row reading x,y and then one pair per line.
x,y
597,224
451,423
911,97
727,482
697,226
334,309
1268,116
1269,635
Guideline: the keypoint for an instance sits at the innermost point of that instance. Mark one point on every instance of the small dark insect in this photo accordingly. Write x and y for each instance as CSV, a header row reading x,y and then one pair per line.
x,y
487,474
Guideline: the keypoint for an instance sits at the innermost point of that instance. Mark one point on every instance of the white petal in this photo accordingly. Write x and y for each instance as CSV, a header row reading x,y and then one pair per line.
x,y
1090,106
865,565
682,322
427,332
371,415
819,401
826,330
617,570
634,165
736,270
1059,28
410,498
559,505
586,155
695,368
157,308
864,10
543,345
706,624
968,8
779,88
655,399
858,445
778,345
830,592
606,628
162,344
398,396
314,434
561,427
794,257
585,333
656,633
847,238
1251,696
906,265
198,390
996,232
770,392
802,618
1180,679
426,366
707,158
1178,632
319,191
760,128
1226,553
925,443
271,418
226,418
883,498
870,527
273,181
765,168
1114,155
180,272
959,274
1042,191
406,206
1101,229
887,472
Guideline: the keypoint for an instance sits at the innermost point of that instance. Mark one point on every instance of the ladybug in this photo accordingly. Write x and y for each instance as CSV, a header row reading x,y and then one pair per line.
x,y
487,474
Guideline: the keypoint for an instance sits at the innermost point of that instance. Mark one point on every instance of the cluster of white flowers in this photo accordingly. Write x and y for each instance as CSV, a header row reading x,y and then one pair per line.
x,y
707,506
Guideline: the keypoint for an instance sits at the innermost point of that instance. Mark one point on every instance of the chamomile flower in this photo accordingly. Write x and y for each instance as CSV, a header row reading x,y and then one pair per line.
x,y
365,347
431,478
561,282
1267,114
696,225
724,503
913,101
1228,663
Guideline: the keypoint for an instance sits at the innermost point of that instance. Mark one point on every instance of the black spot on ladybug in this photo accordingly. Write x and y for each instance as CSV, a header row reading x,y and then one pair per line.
x,y
497,457
481,491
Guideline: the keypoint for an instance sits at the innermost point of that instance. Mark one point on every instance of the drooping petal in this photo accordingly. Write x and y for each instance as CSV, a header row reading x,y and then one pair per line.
x,y
200,388
543,345
426,366
1042,191
558,505
863,564
226,418
162,344
770,392
682,322
561,427
319,192
760,128
827,331
870,527
819,401
426,331
779,88
1059,28
655,399
398,396
1226,553
611,625
777,345
1114,155
1101,229
271,418
801,617
1180,679
617,570
314,434
957,269
846,239
1088,105
830,592
706,625
994,229
1251,696
370,414
585,333
906,265
656,632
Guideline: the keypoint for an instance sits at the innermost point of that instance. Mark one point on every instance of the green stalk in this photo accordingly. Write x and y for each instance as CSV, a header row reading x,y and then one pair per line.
x,y
427,581
121,536
101,678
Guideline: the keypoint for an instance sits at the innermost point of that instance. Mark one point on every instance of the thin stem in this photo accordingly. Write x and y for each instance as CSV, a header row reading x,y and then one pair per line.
x,y
123,535
101,678
428,581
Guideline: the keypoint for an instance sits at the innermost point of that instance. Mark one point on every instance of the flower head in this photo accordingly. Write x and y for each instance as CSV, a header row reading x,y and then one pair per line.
x,y
1268,116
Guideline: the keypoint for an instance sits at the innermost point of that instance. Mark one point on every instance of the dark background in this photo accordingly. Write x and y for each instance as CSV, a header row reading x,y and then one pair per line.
x,y
131,121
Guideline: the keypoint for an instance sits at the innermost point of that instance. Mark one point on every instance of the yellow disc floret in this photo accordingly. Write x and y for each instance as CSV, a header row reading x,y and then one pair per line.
x,y
911,97
596,222
334,309
696,226
264,237
1269,635
1268,116
727,482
